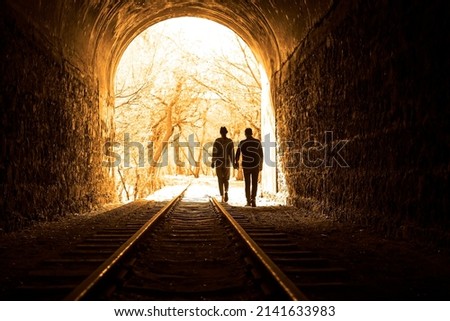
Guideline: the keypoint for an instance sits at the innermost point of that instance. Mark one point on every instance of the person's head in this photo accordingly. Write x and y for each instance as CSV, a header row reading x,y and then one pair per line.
x,y
248,132
223,131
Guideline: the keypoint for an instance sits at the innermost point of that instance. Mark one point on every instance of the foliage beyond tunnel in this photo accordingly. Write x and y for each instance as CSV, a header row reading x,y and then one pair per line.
x,y
175,87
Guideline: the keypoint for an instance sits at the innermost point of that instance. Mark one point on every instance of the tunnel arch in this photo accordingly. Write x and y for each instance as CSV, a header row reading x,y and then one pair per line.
x,y
262,42
246,20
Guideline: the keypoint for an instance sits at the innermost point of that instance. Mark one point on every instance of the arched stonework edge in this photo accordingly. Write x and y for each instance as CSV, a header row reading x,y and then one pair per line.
x,y
253,29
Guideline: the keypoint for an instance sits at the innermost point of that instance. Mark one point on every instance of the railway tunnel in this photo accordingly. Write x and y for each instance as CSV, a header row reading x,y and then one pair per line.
x,y
359,91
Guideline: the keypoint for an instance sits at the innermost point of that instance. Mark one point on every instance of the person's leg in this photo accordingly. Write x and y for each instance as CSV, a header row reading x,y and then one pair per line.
x,y
220,180
226,178
254,179
247,174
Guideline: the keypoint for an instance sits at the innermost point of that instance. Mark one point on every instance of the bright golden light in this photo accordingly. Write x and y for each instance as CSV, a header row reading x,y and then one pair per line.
x,y
181,79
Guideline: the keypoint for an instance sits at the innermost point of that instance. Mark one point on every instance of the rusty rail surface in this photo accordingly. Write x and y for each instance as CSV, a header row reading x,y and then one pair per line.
x,y
274,271
82,290
88,286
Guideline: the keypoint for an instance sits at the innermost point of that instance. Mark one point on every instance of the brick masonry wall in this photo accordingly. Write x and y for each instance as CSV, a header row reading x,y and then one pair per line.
x,y
50,133
375,75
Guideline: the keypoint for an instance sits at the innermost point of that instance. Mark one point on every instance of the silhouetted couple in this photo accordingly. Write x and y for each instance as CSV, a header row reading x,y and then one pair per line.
x,y
252,162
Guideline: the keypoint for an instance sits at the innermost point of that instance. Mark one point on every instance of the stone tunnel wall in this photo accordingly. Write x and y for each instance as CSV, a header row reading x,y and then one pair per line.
x,y
375,77
367,72
50,133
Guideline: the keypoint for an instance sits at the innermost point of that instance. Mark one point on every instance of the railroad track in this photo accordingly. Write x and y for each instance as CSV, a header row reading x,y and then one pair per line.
x,y
188,250
53,278
316,276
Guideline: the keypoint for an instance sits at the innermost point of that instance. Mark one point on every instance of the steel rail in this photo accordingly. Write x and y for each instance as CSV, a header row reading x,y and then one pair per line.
x,y
99,274
285,283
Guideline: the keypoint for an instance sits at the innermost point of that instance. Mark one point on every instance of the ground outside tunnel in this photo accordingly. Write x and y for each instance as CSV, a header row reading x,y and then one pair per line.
x,y
394,269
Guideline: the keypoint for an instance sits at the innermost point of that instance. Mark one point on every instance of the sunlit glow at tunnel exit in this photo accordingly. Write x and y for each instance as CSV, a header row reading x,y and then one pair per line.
x,y
176,84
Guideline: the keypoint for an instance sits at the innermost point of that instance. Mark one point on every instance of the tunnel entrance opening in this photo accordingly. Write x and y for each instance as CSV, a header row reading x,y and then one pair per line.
x,y
176,84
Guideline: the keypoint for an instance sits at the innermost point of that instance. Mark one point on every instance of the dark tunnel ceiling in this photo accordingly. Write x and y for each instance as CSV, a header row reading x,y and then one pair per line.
x,y
91,33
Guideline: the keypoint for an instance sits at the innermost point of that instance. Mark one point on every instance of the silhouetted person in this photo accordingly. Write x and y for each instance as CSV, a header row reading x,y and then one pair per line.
x,y
252,162
223,159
